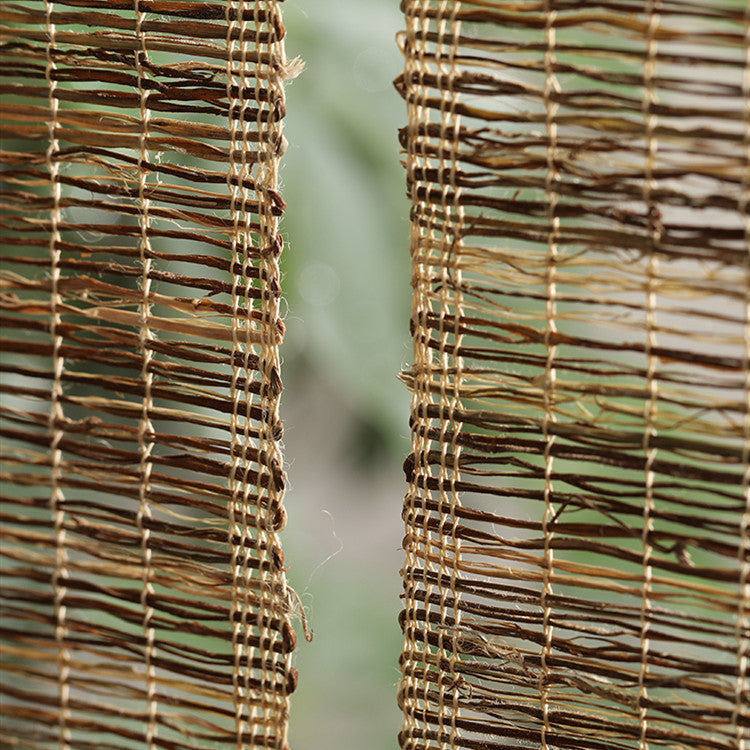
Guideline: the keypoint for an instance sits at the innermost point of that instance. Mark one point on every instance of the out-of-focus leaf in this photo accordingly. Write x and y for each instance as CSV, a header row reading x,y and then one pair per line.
x,y
346,261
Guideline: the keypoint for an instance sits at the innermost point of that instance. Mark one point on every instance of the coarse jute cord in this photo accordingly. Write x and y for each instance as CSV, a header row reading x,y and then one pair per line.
x,y
551,87
145,427
740,714
57,416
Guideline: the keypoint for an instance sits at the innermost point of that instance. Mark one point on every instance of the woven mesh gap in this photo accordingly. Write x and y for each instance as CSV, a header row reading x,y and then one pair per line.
x,y
577,519
144,599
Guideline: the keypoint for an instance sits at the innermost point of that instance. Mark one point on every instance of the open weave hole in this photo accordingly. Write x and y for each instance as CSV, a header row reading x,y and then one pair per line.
x,y
578,513
144,596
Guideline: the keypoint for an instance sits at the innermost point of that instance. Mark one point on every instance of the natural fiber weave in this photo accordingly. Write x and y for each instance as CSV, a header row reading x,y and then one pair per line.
x,y
577,540
144,596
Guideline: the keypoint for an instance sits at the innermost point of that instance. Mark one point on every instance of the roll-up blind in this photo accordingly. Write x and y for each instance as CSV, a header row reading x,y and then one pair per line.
x,y
144,595
577,569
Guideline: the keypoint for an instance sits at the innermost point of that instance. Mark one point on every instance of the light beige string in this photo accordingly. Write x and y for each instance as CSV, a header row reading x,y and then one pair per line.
x,y
551,87
450,299
274,595
237,525
651,405
145,428
740,716
56,415
249,499
415,685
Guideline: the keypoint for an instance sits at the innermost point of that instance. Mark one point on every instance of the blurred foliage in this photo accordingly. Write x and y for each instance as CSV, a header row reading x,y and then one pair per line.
x,y
346,261
346,266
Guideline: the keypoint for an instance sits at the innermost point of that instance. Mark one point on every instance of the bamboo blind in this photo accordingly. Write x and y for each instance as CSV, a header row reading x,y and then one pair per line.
x,y
144,595
577,569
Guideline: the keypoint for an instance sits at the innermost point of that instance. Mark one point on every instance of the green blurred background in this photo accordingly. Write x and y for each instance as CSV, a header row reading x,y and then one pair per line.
x,y
346,282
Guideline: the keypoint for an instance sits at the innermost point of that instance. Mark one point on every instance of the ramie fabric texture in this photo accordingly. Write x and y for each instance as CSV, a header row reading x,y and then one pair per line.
x,y
577,570
144,600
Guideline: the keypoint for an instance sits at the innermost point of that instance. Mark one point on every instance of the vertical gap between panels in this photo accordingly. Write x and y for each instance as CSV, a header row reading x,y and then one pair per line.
x,y
145,428
551,88
651,405
56,416
740,714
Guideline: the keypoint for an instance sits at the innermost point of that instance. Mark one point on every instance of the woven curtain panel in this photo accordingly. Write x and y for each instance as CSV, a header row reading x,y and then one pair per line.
x,y
577,569
144,596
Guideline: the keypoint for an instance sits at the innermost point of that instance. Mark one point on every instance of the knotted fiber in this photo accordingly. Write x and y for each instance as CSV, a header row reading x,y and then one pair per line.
x,y
144,600
577,569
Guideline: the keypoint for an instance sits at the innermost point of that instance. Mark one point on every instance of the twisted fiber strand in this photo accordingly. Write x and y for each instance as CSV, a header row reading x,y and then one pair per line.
x,y
456,234
237,526
276,596
551,87
740,713
450,369
651,404
145,426
250,605
56,414
411,683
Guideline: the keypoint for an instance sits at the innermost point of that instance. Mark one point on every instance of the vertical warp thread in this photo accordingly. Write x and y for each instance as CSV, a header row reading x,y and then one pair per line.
x,y
651,405
552,177
417,513
410,679
260,606
145,428
450,361
458,219
263,479
446,514
742,688
275,596
427,245
425,248
237,526
249,503
56,416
